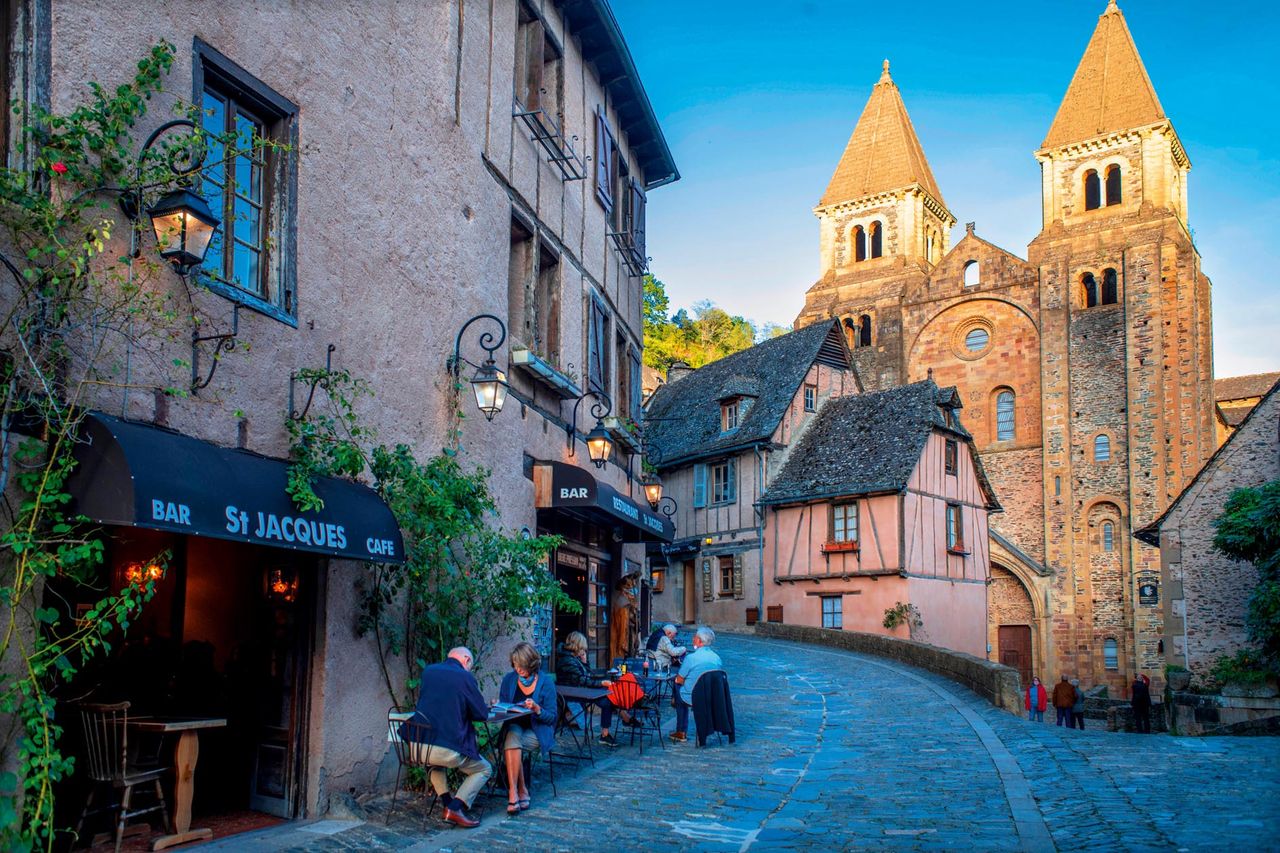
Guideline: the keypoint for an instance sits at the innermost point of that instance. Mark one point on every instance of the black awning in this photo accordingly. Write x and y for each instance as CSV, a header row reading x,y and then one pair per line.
x,y
137,475
568,486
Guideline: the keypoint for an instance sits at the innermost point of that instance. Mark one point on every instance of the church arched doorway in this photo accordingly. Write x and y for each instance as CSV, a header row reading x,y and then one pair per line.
x,y
1012,615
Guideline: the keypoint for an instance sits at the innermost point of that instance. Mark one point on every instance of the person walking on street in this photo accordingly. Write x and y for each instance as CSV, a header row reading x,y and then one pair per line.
x,y
1077,710
1140,701
1036,700
1064,696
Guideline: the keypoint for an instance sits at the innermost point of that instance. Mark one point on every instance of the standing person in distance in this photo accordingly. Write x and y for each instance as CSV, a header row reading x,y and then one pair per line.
x,y
1064,696
1077,710
1036,699
1140,701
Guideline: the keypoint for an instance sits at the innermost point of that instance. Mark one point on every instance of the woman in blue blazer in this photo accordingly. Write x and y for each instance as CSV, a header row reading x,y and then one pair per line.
x,y
535,690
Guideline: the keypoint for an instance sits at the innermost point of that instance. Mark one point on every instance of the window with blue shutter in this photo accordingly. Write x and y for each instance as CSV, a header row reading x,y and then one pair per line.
x,y
699,485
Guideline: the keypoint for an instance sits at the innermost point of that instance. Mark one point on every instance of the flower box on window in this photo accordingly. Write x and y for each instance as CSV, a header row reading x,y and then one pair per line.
x,y
839,547
620,430
541,371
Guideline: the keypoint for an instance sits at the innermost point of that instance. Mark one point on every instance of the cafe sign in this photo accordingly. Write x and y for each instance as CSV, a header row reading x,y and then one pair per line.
x,y
138,475
557,484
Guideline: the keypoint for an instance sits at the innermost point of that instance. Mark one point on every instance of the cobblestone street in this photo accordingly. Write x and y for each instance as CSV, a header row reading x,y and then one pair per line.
x,y
842,751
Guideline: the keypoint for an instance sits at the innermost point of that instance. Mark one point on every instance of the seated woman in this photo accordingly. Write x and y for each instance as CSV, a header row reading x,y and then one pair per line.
x,y
571,671
524,685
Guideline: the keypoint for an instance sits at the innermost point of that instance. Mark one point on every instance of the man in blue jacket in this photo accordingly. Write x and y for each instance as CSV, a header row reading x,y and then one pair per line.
x,y
449,701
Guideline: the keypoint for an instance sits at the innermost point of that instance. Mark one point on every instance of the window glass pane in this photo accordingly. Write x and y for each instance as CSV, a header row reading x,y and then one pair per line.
x,y
1111,654
1102,449
1108,537
215,122
976,340
248,222
213,257
1004,416
246,269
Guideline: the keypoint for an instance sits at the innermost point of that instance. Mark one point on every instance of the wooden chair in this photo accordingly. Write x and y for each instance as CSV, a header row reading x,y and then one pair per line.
x,y
106,741
412,739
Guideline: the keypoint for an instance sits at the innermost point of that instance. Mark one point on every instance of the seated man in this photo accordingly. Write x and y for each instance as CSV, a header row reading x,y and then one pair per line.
x,y
667,652
449,701
701,660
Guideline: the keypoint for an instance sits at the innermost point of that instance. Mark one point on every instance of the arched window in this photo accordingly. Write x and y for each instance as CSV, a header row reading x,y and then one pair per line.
x,y
852,332
1090,287
1108,536
864,331
1110,288
976,339
1113,185
1005,415
1110,653
1102,448
859,243
971,274
930,246
877,240
1092,190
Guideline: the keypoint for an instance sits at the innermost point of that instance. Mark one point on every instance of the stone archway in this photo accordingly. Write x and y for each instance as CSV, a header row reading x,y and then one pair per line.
x,y
1012,623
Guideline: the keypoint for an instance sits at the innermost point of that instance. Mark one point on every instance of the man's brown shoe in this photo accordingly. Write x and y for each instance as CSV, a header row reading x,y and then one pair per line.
x,y
679,737
460,818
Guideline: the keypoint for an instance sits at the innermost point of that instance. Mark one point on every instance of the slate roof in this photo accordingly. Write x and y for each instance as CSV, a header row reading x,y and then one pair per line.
x,y
1243,387
883,152
1110,90
869,444
682,421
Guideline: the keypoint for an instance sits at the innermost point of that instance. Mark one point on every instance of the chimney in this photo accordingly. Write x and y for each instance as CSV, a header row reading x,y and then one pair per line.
x,y
678,370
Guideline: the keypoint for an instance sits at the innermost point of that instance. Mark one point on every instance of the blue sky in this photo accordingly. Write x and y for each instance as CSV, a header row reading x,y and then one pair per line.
x,y
757,100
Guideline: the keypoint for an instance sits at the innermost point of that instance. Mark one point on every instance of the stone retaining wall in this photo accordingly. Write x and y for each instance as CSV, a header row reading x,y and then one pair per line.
x,y
998,684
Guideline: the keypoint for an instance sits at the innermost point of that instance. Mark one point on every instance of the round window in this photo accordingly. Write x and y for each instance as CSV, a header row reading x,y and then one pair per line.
x,y
977,339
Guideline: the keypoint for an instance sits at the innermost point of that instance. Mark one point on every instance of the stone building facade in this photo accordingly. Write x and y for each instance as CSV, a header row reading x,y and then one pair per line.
x,y
442,160
1204,595
1085,368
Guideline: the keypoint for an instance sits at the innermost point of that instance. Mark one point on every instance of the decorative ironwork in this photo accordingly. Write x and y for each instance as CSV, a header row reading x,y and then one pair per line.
x,y
311,392
625,242
488,383
600,410
559,150
224,343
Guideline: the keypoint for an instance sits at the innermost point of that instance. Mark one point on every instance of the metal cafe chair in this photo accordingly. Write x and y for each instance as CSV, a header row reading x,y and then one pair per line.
x,y
412,739
106,742
629,695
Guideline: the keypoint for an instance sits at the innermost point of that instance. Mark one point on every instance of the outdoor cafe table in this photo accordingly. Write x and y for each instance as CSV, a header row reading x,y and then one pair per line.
x,y
583,696
184,767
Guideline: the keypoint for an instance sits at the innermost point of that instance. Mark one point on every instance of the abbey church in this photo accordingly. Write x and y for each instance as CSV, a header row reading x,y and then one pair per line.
x,y
1085,369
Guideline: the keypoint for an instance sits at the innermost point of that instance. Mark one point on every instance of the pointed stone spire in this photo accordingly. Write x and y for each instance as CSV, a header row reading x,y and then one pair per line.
x,y
883,153
1110,90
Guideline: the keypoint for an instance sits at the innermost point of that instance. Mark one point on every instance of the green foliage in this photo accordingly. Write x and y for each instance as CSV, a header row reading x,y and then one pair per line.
x,y
709,334
1249,529
67,314
903,614
1245,668
464,581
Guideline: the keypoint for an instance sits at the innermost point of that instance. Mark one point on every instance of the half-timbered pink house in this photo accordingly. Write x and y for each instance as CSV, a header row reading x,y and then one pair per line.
x,y
882,506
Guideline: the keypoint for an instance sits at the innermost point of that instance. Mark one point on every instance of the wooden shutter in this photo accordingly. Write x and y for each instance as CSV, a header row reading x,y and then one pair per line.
x,y
699,485
604,162
737,575
637,385
535,41
706,580
596,344
637,223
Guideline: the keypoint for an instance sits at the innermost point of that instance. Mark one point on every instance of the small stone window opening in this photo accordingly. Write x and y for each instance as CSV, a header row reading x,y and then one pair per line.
x,y
971,274
859,243
877,240
833,611
1102,448
1005,428
1108,536
977,339
1113,185
930,247
949,456
1110,654
1092,190
852,332
1057,486
1110,287
810,398
1089,288
864,331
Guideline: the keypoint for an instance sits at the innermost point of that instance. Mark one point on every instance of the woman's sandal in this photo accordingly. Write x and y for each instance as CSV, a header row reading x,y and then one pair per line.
x,y
525,802
513,808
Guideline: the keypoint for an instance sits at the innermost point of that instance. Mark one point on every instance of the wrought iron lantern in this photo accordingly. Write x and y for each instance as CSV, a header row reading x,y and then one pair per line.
x,y
599,445
488,383
184,227
653,490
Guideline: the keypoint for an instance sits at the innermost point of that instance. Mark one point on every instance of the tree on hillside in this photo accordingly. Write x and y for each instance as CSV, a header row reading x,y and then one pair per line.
x,y
708,334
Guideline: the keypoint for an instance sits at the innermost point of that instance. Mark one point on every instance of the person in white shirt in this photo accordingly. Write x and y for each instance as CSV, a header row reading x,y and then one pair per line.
x,y
668,652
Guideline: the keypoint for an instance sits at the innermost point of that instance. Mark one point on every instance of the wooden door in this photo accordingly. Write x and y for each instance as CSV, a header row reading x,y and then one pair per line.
x,y
690,593
1015,650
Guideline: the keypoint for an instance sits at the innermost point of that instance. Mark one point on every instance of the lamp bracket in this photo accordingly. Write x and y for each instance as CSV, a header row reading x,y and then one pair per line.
x,y
131,199
224,342
294,414
600,410
486,341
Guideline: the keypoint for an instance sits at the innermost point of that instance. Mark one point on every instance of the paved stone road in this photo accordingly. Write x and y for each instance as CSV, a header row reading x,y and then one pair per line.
x,y
844,751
